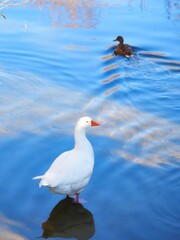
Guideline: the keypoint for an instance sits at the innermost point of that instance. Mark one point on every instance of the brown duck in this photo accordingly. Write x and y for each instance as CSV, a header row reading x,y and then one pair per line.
x,y
122,49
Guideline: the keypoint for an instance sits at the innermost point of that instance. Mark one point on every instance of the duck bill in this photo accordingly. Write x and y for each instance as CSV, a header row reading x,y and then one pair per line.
x,y
115,40
94,124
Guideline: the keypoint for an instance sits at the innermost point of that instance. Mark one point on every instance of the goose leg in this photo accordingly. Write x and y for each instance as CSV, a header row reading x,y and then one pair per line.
x,y
77,198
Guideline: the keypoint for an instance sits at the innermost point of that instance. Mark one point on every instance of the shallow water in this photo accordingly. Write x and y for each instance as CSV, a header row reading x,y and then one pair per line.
x,y
57,64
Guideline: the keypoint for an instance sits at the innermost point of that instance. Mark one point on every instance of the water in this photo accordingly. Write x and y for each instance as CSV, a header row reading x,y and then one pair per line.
x,y
57,64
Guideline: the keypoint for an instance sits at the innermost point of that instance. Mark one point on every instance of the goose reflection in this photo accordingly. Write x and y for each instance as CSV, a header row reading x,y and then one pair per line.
x,y
69,220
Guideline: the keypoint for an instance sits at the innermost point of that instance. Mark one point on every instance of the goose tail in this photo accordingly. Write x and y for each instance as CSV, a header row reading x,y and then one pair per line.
x,y
43,181
37,177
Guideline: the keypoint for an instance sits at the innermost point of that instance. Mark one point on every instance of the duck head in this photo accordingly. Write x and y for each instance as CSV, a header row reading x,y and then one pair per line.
x,y
119,39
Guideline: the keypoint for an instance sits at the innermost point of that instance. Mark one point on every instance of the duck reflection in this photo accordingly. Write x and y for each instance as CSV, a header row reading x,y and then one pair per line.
x,y
69,220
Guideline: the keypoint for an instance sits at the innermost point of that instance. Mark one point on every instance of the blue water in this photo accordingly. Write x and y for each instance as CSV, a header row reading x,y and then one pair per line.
x,y
56,65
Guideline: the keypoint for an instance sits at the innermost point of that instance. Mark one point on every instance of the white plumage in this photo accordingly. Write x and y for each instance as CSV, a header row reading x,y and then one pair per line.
x,y
71,171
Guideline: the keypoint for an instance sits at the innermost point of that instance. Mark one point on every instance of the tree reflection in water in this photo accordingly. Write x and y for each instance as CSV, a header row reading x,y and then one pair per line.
x,y
69,220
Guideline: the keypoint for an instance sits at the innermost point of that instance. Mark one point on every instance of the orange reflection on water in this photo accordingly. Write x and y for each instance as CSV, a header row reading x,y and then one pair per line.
x,y
112,90
111,67
110,79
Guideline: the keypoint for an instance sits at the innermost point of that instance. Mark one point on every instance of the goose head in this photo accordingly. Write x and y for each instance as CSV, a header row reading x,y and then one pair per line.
x,y
86,122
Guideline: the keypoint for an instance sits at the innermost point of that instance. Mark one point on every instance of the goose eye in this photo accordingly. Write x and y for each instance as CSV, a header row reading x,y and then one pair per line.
x,y
87,121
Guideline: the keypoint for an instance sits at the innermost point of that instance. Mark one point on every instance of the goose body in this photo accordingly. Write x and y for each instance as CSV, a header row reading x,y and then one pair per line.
x,y
71,171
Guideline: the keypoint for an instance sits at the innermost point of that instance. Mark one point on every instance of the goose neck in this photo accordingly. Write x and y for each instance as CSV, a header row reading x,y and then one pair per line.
x,y
80,137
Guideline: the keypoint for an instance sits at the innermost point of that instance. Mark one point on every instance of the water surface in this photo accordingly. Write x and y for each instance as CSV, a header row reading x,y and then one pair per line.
x,y
57,64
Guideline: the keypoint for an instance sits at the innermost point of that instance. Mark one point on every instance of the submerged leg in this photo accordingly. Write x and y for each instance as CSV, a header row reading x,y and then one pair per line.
x,y
77,198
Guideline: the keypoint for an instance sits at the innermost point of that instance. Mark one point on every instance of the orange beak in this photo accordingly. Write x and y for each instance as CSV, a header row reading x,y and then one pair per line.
x,y
93,123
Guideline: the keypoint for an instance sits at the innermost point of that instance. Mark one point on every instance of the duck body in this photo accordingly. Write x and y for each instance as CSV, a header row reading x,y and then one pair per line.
x,y
72,170
123,49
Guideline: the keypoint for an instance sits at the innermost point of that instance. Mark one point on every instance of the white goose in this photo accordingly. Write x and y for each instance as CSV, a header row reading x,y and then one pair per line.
x,y
71,171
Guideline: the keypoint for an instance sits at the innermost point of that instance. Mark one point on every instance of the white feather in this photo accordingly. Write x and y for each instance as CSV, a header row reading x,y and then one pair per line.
x,y
38,177
71,171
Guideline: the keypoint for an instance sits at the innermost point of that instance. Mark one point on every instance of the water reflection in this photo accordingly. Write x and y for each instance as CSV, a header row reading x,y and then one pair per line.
x,y
172,9
162,59
69,220
20,111
143,138
7,229
86,14
72,13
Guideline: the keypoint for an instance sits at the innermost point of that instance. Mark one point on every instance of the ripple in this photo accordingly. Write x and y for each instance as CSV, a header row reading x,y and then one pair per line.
x,y
51,76
7,232
111,91
162,59
42,107
166,201
143,138
39,99
110,67
112,78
